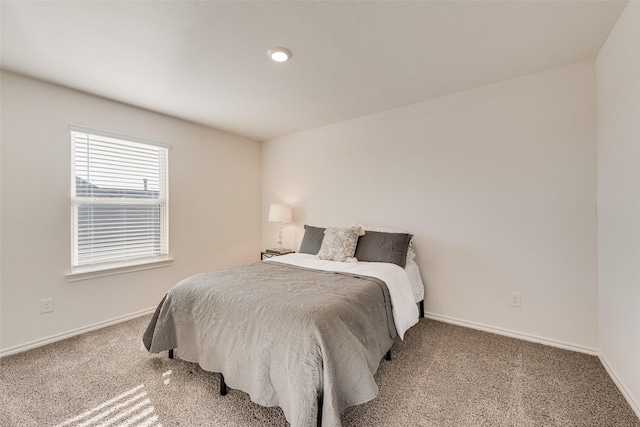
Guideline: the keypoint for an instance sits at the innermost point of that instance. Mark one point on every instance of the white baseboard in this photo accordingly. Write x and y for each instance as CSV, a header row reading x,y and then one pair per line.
x,y
513,334
59,337
625,392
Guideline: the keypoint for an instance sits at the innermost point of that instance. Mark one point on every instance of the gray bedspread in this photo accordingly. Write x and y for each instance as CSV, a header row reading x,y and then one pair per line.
x,y
282,334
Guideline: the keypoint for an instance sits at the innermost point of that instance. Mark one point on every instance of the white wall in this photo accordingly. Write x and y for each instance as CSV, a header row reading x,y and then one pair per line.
x,y
214,209
618,66
497,184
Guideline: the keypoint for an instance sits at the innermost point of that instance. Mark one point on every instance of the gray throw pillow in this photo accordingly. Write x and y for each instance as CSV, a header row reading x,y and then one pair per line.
x,y
377,246
312,240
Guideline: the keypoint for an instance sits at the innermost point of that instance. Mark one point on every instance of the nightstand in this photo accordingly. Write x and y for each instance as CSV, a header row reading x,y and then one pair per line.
x,y
267,255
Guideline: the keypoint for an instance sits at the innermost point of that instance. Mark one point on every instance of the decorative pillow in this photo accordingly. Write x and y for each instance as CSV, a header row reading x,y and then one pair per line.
x,y
411,253
312,240
378,246
339,244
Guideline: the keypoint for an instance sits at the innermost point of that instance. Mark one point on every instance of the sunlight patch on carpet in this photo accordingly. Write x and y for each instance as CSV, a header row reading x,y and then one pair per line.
x,y
166,375
132,407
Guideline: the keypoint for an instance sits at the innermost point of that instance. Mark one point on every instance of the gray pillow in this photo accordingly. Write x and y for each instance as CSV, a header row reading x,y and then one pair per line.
x,y
312,240
377,246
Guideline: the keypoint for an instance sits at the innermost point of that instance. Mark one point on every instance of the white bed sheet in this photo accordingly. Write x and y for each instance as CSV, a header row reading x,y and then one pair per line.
x,y
404,309
417,286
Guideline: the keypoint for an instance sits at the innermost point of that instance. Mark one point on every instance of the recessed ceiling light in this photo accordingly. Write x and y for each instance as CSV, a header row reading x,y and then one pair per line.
x,y
279,54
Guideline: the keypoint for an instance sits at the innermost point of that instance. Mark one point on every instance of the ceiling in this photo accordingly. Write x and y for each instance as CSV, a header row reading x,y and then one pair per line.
x,y
206,61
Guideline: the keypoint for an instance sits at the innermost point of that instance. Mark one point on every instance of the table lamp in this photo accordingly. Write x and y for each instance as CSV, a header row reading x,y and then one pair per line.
x,y
279,214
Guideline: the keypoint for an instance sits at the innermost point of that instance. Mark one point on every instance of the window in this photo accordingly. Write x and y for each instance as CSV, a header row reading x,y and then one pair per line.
x,y
119,201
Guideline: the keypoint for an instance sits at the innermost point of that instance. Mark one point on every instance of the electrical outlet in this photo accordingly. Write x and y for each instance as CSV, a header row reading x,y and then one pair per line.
x,y
46,305
514,299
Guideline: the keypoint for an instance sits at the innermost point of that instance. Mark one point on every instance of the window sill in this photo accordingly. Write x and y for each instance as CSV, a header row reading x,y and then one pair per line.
x,y
84,273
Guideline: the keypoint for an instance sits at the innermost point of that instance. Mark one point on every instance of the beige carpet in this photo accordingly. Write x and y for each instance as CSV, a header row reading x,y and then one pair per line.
x,y
442,375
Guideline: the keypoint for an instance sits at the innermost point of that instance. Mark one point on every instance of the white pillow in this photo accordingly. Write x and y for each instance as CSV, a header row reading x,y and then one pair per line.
x,y
339,244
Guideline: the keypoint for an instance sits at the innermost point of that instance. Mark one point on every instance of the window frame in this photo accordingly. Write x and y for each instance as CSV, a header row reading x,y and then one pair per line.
x,y
84,271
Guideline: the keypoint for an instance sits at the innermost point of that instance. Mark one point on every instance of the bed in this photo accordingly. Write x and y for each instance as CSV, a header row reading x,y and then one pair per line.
x,y
302,331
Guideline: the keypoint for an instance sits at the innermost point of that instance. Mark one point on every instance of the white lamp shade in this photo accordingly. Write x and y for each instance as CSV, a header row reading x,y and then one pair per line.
x,y
280,213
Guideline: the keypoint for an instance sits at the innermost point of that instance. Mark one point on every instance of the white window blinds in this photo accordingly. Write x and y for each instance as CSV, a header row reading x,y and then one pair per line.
x,y
120,200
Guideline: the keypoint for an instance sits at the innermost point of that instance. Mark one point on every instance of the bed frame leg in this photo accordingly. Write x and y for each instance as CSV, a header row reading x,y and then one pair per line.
x,y
171,354
223,386
422,309
319,418
388,355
